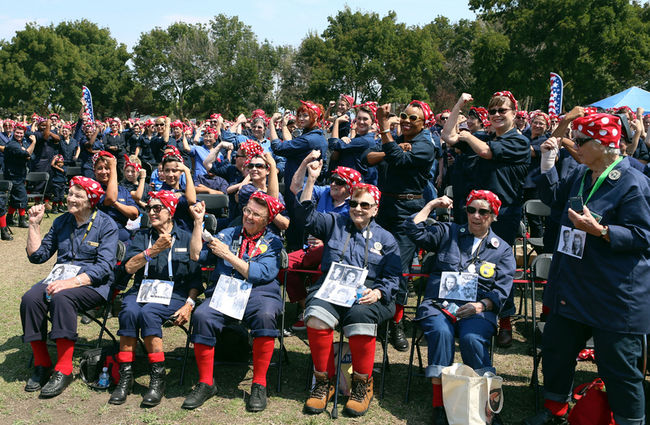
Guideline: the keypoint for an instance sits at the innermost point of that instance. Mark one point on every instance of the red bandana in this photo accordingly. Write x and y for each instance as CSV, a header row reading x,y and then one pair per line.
x,y
173,152
100,154
128,163
371,189
274,205
251,148
491,198
429,118
348,99
603,127
93,189
167,198
482,114
352,177
373,106
509,95
313,107
540,114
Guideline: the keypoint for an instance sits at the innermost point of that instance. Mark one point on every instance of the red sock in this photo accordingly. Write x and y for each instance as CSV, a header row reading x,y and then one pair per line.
x,y
437,395
41,356
262,353
11,210
156,357
546,309
64,350
399,313
205,362
322,354
125,356
362,349
21,211
556,407
3,220
504,323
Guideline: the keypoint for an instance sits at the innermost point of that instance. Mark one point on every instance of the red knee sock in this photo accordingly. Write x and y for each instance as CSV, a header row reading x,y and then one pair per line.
x,y
556,407
41,356
205,362
156,357
11,210
504,323
64,350
3,220
125,356
320,344
399,313
437,395
262,353
21,211
362,349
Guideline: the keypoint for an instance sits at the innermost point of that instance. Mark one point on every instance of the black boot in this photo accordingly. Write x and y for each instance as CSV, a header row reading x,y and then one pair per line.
x,y
6,234
23,222
397,336
11,221
123,388
154,394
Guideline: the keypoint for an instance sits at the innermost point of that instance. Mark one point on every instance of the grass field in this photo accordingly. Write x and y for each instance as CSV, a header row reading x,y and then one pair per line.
x,y
81,405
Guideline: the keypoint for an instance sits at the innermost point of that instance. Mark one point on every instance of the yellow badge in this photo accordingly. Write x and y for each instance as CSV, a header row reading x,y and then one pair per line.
x,y
487,269
95,244
263,248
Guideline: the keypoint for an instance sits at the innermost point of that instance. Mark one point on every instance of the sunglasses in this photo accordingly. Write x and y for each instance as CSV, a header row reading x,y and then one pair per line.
x,y
363,205
154,208
501,111
338,182
443,118
258,166
412,117
582,141
481,211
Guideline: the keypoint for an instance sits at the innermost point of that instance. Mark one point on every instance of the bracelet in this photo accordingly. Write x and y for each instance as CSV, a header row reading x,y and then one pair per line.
x,y
79,282
190,301
147,257
384,131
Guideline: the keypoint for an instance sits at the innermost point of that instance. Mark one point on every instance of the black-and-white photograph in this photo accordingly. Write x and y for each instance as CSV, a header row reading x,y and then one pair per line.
x,y
340,284
230,296
61,272
458,286
572,242
155,291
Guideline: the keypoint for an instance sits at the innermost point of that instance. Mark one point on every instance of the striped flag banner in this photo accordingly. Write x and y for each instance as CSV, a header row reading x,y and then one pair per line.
x,y
85,95
557,92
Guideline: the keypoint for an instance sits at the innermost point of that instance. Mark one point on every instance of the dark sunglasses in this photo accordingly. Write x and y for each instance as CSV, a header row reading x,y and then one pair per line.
x,y
258,166
153,208
501,111
364,205
481,211
443,118
338,182
582,141
413,117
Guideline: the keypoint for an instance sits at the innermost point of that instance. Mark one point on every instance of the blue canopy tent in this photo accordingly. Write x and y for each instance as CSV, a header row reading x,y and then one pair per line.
x,y
633,97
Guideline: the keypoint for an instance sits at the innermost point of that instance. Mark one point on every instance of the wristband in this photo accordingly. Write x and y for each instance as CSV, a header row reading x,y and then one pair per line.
x,y
147,257
190,301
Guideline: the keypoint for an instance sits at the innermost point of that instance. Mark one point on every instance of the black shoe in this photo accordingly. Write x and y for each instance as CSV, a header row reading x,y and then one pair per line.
x,y
439,416
11,220
154,394
38,379
545,417
6,234
199,395
397,336
23,222
257,400
57,383
123,388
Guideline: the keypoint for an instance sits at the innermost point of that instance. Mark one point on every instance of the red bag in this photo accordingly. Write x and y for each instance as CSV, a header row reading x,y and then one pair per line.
x,y
592,406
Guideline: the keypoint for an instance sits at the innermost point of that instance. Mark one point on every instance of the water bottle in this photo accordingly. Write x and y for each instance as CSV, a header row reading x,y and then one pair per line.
x,y
104,379
360,290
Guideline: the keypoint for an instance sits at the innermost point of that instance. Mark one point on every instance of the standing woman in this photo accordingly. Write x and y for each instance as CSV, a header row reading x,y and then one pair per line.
x,y
84,237
539,125
17,156
160,252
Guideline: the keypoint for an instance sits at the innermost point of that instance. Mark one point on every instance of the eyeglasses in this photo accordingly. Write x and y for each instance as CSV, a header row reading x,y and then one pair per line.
x,y
501,111
338,182
256,216
582,141
481,211
443,118
412,117
363,205
154,208
258,166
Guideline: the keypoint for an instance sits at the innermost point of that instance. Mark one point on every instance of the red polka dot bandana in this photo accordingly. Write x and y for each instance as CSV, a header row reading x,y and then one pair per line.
x,y
251,148
313,107
176,123
486,195
128,163
348,99
482,114
100,154
590,110
57,158
371,189
93,189
373,106
429,118
509,95
20,125
258,113
540,114
603,127
167,198
522,114
624,109
172,152
215,116
274,205
351,176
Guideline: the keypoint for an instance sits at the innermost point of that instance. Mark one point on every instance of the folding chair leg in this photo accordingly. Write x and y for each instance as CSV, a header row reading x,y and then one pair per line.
x,y
102,325
335,408
384,363
187,352
410,366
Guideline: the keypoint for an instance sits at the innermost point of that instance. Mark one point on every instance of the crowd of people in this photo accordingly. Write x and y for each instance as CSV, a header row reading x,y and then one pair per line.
x,y
350,186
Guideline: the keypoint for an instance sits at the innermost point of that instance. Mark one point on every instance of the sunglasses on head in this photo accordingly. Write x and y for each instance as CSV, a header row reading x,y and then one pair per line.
x,y
411,117
481,211
501,111
338,181
363,205
581,141
154,208
258,166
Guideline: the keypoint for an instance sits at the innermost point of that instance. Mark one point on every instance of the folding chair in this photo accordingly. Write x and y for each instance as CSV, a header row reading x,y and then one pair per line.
x,y
215,204
72,171
534,207
539,270
36,179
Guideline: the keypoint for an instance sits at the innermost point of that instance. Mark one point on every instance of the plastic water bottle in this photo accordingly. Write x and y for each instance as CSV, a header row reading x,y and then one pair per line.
x,y
103,380
360,290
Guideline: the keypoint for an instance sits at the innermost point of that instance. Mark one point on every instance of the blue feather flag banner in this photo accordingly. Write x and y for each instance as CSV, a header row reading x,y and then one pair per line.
x,y
557,92
88,99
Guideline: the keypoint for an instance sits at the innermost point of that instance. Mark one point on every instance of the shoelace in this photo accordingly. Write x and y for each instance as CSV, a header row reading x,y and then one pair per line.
x,y
320,389
359,389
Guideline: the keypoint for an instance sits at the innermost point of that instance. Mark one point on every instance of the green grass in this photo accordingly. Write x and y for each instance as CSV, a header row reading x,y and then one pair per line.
x,y
81,405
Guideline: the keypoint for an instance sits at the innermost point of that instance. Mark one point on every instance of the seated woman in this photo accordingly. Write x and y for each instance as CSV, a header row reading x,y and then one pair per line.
x,y
473,249
160,252
355,240
249,253
85,238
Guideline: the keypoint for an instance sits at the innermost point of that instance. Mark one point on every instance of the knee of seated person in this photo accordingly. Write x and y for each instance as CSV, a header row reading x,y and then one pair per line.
x,y
471,340
316,323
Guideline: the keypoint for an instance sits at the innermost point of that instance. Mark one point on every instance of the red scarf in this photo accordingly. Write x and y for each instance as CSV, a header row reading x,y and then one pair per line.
x,y
248,244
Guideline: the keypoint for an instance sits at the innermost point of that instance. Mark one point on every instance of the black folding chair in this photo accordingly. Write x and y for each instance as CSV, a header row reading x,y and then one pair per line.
x,y
534,207
72,171
38,180
214,204
539,271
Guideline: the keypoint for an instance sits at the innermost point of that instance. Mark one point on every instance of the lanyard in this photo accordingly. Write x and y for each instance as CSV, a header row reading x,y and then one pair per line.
x,y
599,181
475,259
365,254
90,225
169,260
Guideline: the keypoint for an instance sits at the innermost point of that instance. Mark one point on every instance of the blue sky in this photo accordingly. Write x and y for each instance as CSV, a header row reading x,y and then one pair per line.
x,y
281,22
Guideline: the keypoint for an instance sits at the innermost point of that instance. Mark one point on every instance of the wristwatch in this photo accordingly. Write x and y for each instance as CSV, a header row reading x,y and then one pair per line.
x,y
604,232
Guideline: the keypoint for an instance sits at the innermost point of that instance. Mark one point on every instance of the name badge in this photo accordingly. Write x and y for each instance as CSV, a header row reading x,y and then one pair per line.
x,y
95,244
180,249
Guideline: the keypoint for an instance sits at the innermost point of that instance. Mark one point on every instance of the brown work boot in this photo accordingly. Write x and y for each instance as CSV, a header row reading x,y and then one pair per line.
x,y
321,394
360,396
